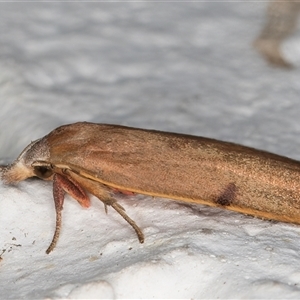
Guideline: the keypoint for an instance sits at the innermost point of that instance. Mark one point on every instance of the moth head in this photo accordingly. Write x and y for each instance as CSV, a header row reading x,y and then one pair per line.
x,y
26,165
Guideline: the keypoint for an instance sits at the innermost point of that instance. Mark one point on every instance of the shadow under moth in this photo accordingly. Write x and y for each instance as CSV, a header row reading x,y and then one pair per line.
x,y
101,159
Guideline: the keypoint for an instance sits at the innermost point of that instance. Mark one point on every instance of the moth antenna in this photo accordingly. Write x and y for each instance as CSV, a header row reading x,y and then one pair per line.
x,y
119,209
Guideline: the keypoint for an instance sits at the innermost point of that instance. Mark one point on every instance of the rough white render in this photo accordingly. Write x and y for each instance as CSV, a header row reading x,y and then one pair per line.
x,y
185,67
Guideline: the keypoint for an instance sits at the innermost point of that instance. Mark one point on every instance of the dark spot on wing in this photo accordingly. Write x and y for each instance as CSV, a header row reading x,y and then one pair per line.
x,y
228,195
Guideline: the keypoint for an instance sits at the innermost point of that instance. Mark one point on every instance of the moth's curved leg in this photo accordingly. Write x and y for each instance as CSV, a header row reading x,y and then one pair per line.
x,y
103,193
118,208
58,195
62,184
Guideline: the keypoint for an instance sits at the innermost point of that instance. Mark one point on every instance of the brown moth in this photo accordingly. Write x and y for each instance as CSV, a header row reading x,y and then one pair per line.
x,y
101,159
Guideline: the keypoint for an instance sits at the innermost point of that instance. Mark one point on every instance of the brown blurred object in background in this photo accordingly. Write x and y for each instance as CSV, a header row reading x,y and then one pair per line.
x,y
281,22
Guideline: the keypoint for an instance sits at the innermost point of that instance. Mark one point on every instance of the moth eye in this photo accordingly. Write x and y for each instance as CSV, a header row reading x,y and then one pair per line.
x,y
43,172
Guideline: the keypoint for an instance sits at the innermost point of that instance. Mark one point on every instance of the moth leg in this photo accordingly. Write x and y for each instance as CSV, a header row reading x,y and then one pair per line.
x,y
119,209
62,184
58,195
109,203
103,193
74,189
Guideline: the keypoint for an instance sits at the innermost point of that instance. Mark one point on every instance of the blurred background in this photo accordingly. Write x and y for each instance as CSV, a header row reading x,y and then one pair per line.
x,y
186,67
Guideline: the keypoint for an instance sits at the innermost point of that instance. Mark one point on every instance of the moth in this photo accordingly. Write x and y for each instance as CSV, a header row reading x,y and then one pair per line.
x,y
99,159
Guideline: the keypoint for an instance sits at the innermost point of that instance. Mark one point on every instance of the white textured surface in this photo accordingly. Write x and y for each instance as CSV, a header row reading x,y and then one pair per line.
x,y
185,67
